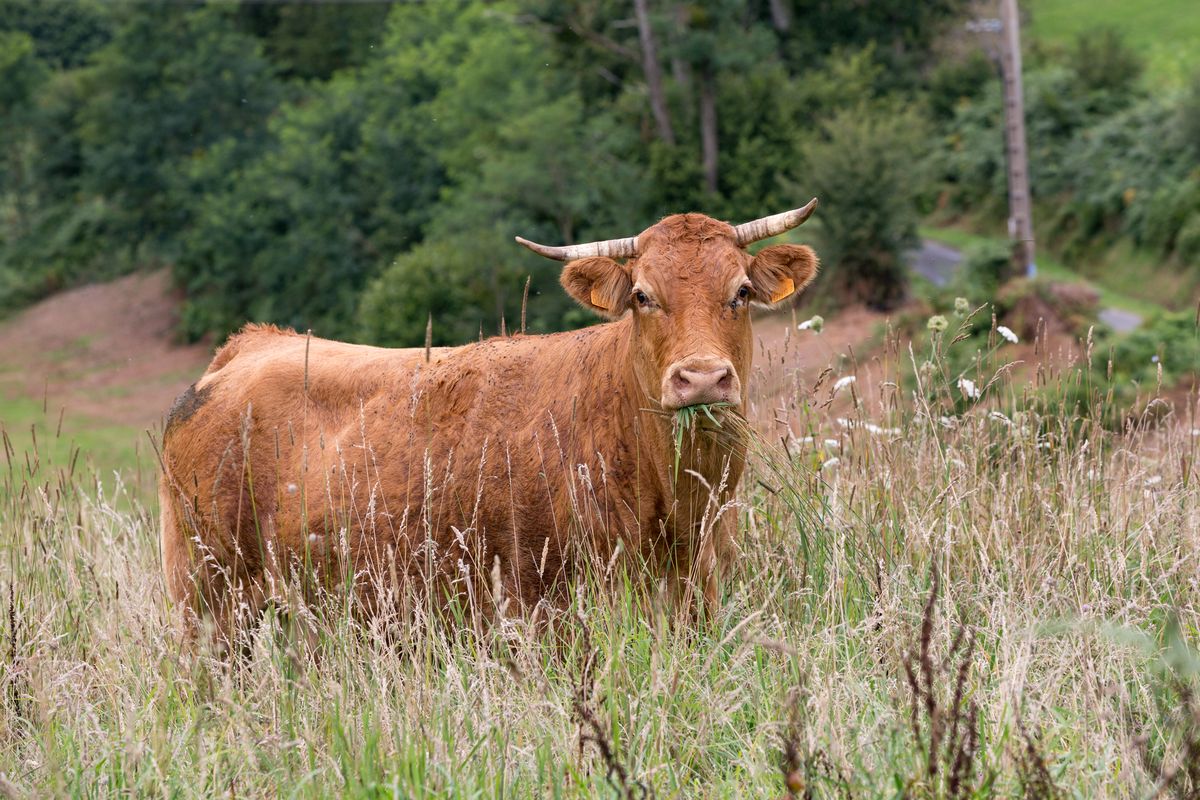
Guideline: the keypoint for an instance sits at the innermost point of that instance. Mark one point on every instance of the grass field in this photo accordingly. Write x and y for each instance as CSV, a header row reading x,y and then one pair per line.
x,y
1166,32
934,597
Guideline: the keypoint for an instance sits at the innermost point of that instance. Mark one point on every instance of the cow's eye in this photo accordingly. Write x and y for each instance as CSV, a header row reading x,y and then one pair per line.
x,y
640,296
743,296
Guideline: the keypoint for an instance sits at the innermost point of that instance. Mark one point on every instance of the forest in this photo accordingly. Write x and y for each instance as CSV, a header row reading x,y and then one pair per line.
x,y
359,169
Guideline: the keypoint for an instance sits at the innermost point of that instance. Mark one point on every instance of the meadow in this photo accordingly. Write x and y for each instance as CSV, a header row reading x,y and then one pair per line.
x,y
1164,32
949,584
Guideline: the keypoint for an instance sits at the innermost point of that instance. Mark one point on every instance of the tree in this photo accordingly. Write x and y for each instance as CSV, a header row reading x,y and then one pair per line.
x,y
864,165
174,82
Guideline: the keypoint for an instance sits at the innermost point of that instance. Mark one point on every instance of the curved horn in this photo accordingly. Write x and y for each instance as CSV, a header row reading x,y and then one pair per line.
x,y
765,227
613,248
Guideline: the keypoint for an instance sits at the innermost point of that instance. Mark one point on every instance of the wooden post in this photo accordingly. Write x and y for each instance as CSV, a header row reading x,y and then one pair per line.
x,y
1020,213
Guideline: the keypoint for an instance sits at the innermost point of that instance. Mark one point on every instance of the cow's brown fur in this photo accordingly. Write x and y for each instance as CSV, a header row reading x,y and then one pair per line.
x,y
505,462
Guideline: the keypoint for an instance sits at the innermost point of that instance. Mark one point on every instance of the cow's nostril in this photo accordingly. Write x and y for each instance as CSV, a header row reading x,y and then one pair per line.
x,y
726,381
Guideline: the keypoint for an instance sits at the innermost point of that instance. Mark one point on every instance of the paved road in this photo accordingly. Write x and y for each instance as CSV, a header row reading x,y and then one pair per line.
x,y
938,262
1119,319
935,261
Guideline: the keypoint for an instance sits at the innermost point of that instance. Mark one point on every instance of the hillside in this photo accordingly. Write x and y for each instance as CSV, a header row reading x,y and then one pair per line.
x,y
96,366
1165,32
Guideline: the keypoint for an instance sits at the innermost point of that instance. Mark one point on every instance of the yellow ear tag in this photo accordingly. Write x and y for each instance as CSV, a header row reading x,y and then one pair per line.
x,y
598,301
786,287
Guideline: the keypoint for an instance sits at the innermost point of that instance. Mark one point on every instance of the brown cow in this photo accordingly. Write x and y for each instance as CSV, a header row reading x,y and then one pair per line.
x,y
502,466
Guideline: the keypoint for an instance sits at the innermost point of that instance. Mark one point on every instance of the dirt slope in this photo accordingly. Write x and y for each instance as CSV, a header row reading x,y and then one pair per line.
x,y
106,352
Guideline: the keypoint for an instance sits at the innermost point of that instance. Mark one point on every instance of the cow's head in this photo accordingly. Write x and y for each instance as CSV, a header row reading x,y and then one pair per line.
x,y
689,283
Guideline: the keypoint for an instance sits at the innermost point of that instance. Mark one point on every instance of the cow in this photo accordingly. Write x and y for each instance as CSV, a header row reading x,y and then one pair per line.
x,y
495,472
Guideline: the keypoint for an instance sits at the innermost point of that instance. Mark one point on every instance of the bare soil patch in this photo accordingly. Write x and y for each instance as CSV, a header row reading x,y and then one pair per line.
x,y
106,351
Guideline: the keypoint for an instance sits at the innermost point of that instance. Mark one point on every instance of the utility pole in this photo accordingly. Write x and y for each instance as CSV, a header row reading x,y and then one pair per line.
x,y
1020,207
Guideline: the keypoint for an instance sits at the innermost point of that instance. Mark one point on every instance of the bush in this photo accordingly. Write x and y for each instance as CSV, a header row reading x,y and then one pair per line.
x,y
865,169
954,82
986,265
1104,62
1167,342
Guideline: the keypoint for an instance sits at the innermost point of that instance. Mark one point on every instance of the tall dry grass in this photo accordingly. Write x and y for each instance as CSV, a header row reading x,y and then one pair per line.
x,y
935,595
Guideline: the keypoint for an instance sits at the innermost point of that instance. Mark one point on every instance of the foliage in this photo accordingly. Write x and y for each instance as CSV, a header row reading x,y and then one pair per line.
x,y
865,167
985,266
1160,353
1106,162
1104,62
65,33
173,83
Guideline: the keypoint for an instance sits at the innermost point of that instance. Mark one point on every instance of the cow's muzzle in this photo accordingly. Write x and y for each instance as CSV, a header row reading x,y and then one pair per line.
x,y
697,381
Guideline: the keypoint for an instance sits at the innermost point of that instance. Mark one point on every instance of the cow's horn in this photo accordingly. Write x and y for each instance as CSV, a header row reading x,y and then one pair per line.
x,y
612,248
766,227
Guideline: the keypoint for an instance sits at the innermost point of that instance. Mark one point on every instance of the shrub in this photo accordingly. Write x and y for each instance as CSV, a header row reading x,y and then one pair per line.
x,y
985,266
864,168
1104,62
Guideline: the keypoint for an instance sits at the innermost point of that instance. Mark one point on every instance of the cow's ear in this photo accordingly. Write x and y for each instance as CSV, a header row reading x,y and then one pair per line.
x,y
599,284
779,272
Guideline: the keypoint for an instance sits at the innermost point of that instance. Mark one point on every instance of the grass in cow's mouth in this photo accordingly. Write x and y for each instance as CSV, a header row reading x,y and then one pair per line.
x,y
685,420
685,417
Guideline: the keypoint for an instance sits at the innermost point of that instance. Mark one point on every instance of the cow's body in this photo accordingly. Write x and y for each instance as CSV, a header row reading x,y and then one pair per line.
x,y
503,464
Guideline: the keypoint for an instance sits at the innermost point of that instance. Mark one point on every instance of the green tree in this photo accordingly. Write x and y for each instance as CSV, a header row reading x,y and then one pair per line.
x,y
65,33
521,154
174,82
865,167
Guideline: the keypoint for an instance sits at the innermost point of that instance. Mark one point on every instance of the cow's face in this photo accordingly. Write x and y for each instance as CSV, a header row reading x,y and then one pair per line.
x,y
689,290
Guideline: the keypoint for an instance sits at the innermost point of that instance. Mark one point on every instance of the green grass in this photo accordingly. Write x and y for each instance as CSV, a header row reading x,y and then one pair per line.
x,y
1050,267
61,440
1165,32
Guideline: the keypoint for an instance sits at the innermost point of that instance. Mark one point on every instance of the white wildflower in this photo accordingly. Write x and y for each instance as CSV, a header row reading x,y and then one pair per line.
x,y
968,388
1154,480
833,462
833,444
813,323
842,383
1007,333
938,323
961,306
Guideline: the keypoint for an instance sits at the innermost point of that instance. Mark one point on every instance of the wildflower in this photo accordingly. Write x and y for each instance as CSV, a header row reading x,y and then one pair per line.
x,y
1007,333
833,444
1154,480
961,306
833,462
938,323
968,388
813,323
842,383
1154,359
